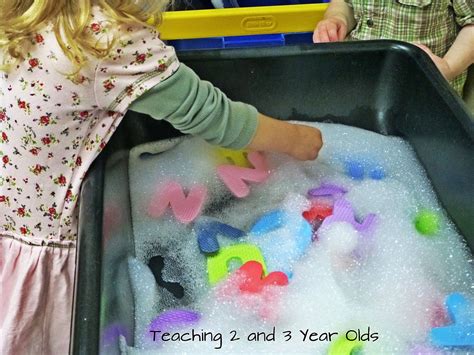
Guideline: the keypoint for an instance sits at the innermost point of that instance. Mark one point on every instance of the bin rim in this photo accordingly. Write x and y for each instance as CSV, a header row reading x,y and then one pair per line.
x,y
420,58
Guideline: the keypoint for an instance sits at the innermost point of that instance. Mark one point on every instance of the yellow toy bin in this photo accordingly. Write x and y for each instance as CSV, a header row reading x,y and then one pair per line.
x,y
246,26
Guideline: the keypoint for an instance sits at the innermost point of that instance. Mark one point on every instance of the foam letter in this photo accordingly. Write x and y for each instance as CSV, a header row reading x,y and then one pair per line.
x,y
253,282
343,212
217,265
342,346
172,319
327,190
461,332
185,209
234,177
297,231
208,232
234,157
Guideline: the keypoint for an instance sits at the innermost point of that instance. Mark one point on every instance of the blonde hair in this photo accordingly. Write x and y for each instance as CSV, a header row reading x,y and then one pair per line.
x,y
22,19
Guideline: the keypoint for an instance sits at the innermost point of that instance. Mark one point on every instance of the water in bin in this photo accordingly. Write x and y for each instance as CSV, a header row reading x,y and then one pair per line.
x,y
365,259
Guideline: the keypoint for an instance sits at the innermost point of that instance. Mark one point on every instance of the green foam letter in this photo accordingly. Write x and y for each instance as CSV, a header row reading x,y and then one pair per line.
x,y
343,346
218,265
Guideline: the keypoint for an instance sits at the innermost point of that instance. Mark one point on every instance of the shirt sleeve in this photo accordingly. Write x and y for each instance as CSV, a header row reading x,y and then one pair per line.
x,y
196,107
138,61
464,12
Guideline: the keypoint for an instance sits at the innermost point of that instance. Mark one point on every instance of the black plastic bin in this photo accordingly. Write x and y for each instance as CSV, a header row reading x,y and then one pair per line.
x,y
384,86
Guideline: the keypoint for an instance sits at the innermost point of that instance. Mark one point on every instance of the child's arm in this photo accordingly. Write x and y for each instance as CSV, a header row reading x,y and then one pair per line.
x,y
149,79
338,22
459,57
196,107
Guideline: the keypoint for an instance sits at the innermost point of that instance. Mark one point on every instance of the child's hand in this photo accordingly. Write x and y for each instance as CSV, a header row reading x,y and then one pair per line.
x,y
307,143
332,29
441,63
299,141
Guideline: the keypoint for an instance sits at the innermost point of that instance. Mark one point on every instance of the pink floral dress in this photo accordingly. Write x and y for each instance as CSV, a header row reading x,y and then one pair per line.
x,y
52,127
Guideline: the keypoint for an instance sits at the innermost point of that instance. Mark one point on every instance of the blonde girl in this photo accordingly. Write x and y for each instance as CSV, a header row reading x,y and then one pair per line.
x,y
70,70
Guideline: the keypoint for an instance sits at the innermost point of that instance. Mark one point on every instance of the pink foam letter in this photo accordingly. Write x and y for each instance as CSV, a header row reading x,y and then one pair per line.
x,y
235,176
185,209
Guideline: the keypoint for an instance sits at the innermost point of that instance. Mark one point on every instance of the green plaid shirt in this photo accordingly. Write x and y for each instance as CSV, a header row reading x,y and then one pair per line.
x,y
434,23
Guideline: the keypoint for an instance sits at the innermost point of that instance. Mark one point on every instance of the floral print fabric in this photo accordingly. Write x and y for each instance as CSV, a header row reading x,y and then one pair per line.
x,y
53,125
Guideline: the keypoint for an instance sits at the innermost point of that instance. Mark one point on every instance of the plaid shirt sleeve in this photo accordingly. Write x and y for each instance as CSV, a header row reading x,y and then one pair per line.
x,y
464,11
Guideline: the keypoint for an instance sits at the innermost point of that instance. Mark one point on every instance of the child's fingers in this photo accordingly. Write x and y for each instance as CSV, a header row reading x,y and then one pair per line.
x,y
422,46
329,31
341,32
332,32
316,38
323,33
426,49
441,63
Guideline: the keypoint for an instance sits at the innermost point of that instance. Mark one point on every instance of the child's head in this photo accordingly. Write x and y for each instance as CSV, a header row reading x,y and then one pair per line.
x,y
21,19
